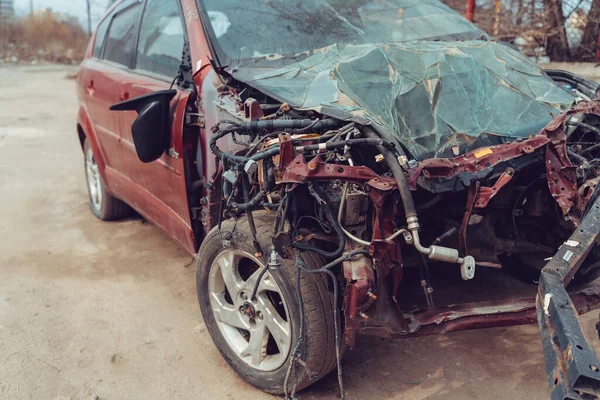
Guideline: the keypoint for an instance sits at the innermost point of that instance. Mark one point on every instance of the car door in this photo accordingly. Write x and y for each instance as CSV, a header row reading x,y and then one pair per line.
x,y
102,75
158,189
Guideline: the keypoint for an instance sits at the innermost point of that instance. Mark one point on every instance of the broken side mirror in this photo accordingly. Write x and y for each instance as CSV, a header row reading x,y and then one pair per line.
x,y
151,129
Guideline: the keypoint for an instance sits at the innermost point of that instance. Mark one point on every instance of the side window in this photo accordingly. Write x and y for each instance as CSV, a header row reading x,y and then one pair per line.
x,y
100,35
120,42
161,38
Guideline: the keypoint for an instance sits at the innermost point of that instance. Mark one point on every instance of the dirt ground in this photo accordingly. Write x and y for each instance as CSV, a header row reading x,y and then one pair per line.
x,y
95,310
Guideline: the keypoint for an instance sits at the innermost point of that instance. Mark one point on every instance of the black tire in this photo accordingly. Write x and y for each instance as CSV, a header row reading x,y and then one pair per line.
x,y
320,355
109,208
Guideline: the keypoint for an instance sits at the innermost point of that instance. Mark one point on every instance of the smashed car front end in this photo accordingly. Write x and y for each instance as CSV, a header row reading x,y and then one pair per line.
x,y
446,185
359,217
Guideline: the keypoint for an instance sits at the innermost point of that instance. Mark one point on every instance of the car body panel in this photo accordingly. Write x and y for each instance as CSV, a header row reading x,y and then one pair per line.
x,y
162,182
156,190
100,85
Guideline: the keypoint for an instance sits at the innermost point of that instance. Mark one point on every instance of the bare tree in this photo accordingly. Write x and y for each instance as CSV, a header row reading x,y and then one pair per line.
x,y
589,41
557,47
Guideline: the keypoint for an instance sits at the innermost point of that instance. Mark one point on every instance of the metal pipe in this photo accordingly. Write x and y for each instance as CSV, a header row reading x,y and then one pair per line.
x,y
340,212
399,232
445,254
394,165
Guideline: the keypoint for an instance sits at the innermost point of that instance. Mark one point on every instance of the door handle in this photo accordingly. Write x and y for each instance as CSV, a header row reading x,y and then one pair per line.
x,y
90,88
124,96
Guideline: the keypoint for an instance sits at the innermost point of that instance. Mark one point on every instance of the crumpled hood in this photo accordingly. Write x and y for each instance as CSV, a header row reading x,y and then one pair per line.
x,y
435,98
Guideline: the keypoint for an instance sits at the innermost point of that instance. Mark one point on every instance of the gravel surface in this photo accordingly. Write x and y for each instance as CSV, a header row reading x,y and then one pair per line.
x,y
95,310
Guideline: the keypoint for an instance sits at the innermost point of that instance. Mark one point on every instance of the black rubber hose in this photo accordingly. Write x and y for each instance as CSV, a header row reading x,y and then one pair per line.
x,y
270,180
247,128
394,165
281,124
218,135
248,205
268,176
235,159
251,225
282,213
585,126
345,257
351,142
261,155
338,230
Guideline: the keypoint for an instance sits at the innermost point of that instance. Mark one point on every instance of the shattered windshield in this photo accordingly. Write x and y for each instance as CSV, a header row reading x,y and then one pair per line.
x,y
384,63
243,29
437,99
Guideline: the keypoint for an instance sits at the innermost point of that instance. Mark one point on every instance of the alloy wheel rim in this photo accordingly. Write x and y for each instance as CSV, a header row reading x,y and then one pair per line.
x,y
93,180
257,330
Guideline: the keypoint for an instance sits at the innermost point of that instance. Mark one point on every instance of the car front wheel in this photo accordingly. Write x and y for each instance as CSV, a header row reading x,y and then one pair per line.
x,y
256,336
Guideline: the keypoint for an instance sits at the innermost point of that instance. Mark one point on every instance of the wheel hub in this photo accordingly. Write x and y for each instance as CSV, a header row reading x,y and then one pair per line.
x,y
248,310
258,330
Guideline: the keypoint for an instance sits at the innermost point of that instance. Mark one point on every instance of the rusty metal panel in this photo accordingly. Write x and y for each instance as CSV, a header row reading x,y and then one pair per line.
x,y
572,366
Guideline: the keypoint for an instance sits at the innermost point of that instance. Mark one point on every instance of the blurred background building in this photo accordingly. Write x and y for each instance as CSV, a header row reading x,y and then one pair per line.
x,y
7,10
7,13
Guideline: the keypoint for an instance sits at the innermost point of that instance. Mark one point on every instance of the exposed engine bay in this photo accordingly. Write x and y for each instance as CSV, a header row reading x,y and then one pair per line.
x,y
412,246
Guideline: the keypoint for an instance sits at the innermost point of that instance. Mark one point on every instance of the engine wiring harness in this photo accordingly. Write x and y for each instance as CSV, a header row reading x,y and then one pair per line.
x,y
254,177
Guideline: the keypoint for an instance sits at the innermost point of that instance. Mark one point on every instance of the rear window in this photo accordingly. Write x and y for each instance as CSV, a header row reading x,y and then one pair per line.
x,y
120,41
100,35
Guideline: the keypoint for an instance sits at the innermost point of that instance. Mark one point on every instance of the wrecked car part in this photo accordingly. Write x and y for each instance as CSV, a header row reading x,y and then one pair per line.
x,y
338,230
300,265
345,257
246,189
412,106
376,128
440,253
586,126
586,87
341,212
396,168
297,124
573,367
499,167
274,263
293,169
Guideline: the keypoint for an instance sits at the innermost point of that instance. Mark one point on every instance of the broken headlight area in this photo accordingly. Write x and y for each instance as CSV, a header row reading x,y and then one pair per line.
x,y
437,245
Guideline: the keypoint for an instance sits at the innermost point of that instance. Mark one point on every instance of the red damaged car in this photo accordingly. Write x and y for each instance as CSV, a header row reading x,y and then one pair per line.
x,y
345,167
